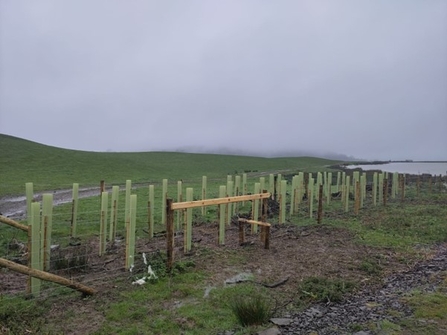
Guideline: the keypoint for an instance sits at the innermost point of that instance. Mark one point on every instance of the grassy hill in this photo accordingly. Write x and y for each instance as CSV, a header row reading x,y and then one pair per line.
x,y
49,167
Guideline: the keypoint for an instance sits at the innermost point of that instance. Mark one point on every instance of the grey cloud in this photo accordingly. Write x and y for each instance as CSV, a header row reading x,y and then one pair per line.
x,y
367,79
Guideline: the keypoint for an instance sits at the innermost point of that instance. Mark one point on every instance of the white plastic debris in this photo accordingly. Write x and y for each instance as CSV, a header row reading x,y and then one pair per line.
x,y
139,281
151,273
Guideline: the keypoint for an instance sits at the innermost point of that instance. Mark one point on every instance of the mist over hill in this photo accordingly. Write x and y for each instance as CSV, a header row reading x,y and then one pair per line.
x,y
266,153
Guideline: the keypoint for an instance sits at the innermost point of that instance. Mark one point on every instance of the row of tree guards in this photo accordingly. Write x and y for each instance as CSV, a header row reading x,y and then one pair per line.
x,y
314,188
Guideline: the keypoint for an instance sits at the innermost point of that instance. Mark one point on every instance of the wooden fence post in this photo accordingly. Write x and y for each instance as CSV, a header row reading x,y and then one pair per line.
x,y
221,237
267,237
74,209
255,208
357,197
241,233
320,204
151,205
114,213
103,223
188,223
237,191
169,234
47,223
385,190
265,207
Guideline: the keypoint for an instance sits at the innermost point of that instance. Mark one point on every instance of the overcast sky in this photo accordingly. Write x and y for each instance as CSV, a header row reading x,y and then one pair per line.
x,y
362,78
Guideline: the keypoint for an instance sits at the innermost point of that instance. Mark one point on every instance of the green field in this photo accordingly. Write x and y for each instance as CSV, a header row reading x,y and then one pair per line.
x,y
51,168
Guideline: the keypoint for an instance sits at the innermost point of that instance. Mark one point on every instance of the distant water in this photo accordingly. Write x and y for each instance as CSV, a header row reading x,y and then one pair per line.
x,y
433,168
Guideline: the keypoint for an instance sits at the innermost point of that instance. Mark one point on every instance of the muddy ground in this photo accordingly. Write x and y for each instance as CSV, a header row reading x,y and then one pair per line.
x,y
295,253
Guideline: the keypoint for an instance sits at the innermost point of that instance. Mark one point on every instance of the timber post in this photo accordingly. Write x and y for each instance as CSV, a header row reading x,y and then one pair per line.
x,y
169,234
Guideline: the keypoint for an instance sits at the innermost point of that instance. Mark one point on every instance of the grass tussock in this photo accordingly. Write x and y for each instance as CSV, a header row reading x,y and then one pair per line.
x,y
251,310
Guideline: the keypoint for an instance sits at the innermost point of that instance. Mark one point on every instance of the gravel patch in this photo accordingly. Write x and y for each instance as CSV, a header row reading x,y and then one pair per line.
x,y
370,305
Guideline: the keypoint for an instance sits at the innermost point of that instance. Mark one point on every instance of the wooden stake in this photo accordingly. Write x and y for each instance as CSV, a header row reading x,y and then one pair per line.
x,y
74,209
241,233
265,206
46,276
267,237
320,204
169,234
357,197
385,190
13,223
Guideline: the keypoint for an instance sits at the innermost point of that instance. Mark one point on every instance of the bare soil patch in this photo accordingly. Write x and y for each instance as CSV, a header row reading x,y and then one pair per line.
x,y
295,253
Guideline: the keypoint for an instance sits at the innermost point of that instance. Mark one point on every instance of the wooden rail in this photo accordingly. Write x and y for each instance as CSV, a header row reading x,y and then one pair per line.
x,y
171,206
218,201
265,231
13,223
46,276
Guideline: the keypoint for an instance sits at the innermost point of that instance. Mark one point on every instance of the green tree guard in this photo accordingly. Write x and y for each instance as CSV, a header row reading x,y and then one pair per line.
x,y
229,210
380,189
283,200
222,217
237,191
310,198
164,196
29,199
347,192
374,191
188,228
272,184
36,261
130,236
329,188
151,210
103,223
204,180
127,202
255,208
179,199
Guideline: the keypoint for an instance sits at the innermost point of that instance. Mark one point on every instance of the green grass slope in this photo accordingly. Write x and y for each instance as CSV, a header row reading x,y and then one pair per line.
x,y
49,167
